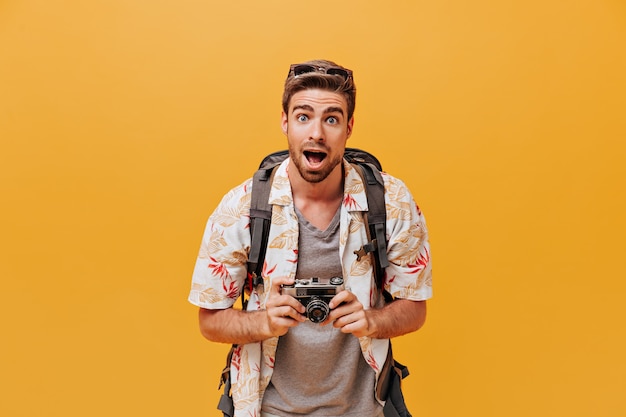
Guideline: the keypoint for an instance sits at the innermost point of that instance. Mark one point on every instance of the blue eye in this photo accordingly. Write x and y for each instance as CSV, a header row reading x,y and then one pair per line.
x,y
332,120
302,118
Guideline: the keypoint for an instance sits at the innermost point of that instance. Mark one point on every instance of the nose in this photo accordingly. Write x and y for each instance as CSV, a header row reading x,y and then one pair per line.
x,y
317,131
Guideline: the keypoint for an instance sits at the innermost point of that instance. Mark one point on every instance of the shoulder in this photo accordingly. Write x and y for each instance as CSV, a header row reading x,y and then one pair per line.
x,y
400,202
237,199
395,188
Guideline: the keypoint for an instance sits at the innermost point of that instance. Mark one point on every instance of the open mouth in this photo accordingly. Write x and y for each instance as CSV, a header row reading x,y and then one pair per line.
x,y
314,157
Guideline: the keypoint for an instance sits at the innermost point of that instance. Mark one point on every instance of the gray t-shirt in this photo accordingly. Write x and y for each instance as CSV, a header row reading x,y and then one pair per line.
x,y
320,371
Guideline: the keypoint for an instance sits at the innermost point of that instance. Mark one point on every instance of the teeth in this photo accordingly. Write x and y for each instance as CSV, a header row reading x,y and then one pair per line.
x,y
315,157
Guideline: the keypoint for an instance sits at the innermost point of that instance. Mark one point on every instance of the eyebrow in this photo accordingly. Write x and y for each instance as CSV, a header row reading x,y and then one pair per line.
x,y
302,107
306,107
334,110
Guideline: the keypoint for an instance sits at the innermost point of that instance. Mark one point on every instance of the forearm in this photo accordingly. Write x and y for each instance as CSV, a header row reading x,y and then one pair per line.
x,y
234,326
396,318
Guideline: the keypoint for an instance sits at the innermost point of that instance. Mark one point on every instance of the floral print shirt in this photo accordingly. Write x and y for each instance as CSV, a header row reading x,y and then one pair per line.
x,y
221,268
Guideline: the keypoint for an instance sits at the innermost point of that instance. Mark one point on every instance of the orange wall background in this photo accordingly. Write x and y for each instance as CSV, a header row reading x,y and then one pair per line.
x,y
122,123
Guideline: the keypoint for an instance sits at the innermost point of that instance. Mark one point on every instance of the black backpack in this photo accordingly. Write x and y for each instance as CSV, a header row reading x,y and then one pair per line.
x,y
369,168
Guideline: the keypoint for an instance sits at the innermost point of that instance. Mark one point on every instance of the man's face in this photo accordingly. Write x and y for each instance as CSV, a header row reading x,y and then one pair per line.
x,y
317,130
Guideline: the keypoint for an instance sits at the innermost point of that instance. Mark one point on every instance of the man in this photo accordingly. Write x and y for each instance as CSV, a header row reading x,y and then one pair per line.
x,y
286,365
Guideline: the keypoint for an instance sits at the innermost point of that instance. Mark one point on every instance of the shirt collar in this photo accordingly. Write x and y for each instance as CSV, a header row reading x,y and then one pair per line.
x,y
354,198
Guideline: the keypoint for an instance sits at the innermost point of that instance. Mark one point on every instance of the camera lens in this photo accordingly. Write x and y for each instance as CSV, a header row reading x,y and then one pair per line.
x,y
317,310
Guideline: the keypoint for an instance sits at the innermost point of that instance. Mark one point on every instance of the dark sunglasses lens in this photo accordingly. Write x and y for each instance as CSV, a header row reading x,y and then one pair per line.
x,y
338,71
302,69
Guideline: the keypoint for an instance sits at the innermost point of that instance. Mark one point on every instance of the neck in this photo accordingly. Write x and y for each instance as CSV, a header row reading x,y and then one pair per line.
x,y
318,202
328,190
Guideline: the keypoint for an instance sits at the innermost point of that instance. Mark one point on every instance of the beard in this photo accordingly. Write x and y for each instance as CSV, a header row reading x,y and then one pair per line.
x,y
313,176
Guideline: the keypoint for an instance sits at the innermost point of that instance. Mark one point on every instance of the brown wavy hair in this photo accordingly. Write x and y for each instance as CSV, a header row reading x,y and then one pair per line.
x,y
322,81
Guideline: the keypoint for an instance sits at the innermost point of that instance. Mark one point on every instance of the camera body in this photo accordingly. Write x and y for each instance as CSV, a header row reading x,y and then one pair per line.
x,y
315,293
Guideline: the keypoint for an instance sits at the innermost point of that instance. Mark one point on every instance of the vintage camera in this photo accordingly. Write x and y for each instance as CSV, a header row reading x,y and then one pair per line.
x,y
315,294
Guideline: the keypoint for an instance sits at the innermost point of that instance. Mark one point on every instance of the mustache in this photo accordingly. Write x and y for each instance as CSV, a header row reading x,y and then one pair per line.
x,y
314,147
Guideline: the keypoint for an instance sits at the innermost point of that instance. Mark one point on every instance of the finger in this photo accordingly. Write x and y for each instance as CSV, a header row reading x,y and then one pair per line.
x,y
283,301
344,297
294,304
357,328
296,314
286,316
348,311
277,284
355,323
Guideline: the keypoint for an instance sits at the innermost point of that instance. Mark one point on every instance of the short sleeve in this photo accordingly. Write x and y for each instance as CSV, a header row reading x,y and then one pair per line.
x,y
409,275
220,270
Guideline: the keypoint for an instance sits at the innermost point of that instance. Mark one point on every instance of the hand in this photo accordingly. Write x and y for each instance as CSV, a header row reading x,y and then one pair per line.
x,y
283,311
348,315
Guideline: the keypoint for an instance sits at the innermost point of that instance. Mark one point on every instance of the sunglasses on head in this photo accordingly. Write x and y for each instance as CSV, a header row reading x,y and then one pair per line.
x,y
299,69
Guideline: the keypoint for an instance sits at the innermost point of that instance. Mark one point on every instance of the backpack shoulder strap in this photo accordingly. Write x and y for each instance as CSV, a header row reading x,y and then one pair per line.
x,y
376,218
260,218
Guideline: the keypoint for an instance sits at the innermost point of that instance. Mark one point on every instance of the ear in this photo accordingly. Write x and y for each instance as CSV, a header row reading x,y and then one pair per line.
x,y
284,123
350,126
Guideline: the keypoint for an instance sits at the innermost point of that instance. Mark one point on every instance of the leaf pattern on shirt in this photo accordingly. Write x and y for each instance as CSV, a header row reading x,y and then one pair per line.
x,y
232,209
212,244
395,190
281,200
404,292
399,210
353,186
228,216
246,393
414,232
280,182
239,257
208,295
269,345
349,201
279,217
286,239
216,242
218,269
362,267
355,224
406,249
367,349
